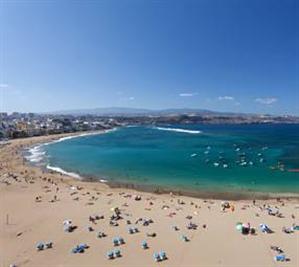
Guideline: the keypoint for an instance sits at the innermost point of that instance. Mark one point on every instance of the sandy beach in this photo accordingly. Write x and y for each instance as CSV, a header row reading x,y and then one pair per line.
x,y
34,205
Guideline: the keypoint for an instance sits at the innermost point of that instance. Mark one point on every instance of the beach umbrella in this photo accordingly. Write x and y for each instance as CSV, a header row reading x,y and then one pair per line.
x,y
114,209
239,226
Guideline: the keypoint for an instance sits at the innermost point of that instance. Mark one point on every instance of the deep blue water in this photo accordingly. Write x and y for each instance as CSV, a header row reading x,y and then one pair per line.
x,y
220,158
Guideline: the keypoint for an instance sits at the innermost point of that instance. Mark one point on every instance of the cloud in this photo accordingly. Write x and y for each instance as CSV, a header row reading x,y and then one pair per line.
x,y
229,98
9,90
266,100
3,85
127,98
187,94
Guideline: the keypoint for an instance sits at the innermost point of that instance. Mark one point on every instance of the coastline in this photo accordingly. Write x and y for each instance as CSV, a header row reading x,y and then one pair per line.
x,y
57,138
155,189
34,203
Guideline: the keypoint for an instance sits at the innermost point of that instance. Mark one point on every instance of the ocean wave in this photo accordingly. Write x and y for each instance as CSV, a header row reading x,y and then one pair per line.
x,y
36,154
131,126
57,169
179,130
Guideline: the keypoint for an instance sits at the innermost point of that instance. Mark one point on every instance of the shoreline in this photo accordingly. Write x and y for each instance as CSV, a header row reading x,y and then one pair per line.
x,y
34,204
155,189
60,138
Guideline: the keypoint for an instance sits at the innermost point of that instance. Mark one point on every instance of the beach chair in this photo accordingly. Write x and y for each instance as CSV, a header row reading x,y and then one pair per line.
x,y
121,241
40,246
156,257
265,229
175,228
162,255
287,230
277,249
74,250
100,234
83,245
184,238
49,244
280,257
296,227
117,253
115,241
113,223
144,244
78,249
110,255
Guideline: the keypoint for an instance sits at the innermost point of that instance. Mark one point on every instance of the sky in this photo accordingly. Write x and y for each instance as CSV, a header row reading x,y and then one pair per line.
x,y
233,55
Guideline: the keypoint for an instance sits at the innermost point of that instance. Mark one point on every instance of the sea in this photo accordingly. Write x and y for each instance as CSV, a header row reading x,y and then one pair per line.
x,y
249,158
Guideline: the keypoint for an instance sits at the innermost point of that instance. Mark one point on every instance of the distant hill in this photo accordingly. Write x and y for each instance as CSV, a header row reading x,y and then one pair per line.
x,y
121,111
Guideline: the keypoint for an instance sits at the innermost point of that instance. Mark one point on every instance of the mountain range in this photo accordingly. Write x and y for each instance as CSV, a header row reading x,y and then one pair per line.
x,y
123,111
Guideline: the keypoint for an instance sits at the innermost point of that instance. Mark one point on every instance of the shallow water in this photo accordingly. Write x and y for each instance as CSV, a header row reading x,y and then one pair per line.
x,y
187,157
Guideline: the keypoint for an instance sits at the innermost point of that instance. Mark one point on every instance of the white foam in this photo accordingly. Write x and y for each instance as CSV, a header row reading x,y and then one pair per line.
x,y
57,169
131,126
79,135
36,154
179,130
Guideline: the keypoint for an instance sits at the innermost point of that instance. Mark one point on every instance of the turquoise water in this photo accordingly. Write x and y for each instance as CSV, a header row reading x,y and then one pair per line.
x,y
209,157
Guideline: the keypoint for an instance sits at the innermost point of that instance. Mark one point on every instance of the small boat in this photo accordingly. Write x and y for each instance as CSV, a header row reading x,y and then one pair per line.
x,y
193,155
216,164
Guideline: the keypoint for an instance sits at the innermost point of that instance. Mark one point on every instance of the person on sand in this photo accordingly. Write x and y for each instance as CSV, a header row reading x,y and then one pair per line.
x,y
92,219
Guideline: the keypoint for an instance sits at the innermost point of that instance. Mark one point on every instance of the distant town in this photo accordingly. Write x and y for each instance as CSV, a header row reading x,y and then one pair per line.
x,y
19,125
